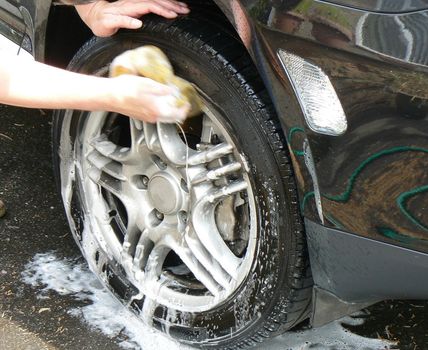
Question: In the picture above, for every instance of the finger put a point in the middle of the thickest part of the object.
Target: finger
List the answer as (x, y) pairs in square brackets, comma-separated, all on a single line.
[(173, 5), (182, 113), (159, 9), (122, 21), (178, 7), (144, 7), (168, 112), (143, 87), (154, 88), (146, 118)]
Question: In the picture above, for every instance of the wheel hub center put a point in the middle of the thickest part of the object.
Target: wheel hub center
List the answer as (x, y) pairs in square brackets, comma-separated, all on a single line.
[(165, 193)]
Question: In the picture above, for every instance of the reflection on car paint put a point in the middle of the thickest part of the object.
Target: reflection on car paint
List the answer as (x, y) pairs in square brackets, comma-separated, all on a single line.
[(401, 201), (385, 99)]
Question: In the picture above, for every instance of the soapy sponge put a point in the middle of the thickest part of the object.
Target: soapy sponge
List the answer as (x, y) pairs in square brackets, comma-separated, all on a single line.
[(149, 61)]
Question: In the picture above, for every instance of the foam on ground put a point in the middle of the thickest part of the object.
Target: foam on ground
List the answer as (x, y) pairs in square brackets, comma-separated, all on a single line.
[(47, 272)]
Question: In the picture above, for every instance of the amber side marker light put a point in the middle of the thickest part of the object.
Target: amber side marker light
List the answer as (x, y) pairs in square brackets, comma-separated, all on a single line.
[(318, 99)]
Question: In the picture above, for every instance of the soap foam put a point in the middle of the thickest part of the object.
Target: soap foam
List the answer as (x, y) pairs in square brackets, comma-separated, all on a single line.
[(47, 272)]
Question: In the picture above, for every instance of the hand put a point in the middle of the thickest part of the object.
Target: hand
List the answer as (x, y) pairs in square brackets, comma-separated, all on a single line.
[(106, 18), (144, 99)]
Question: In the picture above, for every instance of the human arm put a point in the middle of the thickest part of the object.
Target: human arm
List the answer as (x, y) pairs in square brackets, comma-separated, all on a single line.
[(28, 83), (106, 18)]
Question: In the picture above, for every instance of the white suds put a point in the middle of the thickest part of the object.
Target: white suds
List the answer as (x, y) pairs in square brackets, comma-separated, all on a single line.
[(104, 312), (331, 336), (49, 273)]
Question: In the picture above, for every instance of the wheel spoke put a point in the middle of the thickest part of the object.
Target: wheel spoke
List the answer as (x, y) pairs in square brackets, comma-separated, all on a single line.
[(152, 138), (207, 130), (173, 147), (155, 262), (109, 149), (198, 270), (216, 174), (232, 188), (132, 235), (160, 233), (206, 260), (137, 134), (107, 165), (204, 223), (106, 181), (211, 154), (144, 242), (142, 252)]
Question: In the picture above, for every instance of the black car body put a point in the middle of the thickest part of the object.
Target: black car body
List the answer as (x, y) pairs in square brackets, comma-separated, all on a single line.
[(363, 192)]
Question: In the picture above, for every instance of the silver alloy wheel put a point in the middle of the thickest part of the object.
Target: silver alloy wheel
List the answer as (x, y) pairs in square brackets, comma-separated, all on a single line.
[(178, 215)]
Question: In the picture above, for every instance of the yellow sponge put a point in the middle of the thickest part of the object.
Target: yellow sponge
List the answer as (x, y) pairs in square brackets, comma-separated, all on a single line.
[(149, 61)]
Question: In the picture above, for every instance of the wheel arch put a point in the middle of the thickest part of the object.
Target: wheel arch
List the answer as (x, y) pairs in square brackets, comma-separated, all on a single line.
[(295, 130), (66, 33)]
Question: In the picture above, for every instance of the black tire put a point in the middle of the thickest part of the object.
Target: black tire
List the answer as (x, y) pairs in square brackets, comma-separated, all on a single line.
[(276, 294)]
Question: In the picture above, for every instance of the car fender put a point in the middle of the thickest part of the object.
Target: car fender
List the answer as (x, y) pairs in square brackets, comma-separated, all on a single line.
[(283, 97)]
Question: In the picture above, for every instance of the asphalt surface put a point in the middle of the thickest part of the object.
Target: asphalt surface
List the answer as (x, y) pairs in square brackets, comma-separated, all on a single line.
[(35, 223)]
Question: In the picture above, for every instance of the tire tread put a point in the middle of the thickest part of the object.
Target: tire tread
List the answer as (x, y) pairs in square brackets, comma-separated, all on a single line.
[(231, 57), (243, 75)]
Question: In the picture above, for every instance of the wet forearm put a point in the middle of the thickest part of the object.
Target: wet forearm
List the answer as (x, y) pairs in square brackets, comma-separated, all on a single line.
[(28, 83)]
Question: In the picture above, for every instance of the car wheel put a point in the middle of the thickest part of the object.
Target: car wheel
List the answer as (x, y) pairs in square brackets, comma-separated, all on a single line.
[(194, 227)]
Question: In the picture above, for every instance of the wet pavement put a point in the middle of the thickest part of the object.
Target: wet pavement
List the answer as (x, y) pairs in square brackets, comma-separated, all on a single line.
[(35, 223)]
